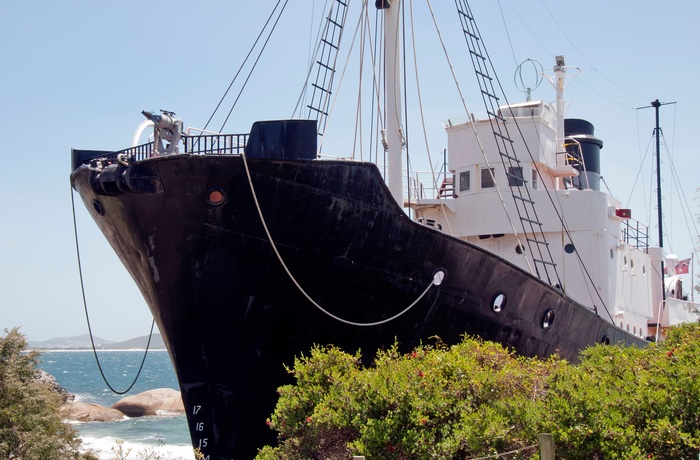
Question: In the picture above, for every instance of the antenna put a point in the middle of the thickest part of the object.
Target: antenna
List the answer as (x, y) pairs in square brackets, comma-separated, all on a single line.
[(536, 68)]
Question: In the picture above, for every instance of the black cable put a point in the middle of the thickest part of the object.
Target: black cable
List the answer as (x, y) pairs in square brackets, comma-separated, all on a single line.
[(87, 315)]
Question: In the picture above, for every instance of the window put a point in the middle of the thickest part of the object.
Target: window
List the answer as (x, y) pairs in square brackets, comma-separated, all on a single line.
[(464, 181), (487, 178), (515, 176), (534, 179)]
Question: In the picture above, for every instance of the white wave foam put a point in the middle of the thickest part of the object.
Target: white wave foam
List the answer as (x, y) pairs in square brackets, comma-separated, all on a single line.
[(106, 449)]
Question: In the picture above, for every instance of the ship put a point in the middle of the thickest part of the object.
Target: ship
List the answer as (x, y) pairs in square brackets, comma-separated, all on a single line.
[(249, 249)]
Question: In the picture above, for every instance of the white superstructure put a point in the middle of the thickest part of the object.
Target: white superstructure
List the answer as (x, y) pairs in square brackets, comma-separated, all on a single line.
[(603, 259)]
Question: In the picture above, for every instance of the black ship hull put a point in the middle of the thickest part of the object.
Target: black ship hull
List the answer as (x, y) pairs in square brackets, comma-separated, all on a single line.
[(188, 230)]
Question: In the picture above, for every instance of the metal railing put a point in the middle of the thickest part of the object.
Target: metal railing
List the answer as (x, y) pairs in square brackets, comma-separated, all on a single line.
[(635, 234), (206, 144)]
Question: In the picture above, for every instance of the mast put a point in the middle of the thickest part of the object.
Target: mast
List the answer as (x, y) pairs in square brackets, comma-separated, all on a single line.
[(559, 84), (656, 104), (392, 76)]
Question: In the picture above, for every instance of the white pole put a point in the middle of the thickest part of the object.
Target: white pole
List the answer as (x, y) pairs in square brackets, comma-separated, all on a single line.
[(692, 276), (392, 75)]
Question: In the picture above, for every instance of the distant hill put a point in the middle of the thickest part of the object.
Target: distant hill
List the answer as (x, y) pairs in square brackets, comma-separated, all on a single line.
[(82, 342)]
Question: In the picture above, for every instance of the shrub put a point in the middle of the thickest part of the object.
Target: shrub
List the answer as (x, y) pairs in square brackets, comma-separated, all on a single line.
[(473, 399), (476, 399), (30, 425)]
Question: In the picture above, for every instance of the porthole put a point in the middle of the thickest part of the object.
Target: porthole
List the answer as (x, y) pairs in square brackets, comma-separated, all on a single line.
[(99, 209), (632, 263), (499, 302), (548, 319), (216, 197), (605, 340), (612, 254), (624, 261), (519, 249), (438, 277), (569, 248), (644, 269)]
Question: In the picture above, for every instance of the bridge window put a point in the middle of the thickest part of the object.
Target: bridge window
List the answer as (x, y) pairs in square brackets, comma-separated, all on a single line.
[(487, 178), (515, 176), (464, 181)]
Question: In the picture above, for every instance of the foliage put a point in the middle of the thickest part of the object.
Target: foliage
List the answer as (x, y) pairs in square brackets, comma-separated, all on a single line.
[(477, 399), (30, 424), (625, 403), (470, 400)]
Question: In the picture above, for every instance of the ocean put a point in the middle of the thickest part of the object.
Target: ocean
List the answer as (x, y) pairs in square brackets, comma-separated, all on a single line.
[(78, 373)]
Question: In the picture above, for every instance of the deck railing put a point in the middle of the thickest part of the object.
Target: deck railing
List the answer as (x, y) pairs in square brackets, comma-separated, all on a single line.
[(635, 234), (205, 144)]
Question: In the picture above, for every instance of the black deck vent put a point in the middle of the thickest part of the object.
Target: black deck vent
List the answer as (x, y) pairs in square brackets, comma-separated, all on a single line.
[(283, 139)]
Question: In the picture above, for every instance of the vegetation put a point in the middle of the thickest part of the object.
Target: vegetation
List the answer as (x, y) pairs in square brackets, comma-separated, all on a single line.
[(30, 425), (477, 399)]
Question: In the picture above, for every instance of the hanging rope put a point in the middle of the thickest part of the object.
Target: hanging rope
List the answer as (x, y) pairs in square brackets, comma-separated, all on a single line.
[(437, 278), (87, 315)]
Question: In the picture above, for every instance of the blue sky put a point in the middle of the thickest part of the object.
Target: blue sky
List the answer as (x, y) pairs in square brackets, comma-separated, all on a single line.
[(78, 73)]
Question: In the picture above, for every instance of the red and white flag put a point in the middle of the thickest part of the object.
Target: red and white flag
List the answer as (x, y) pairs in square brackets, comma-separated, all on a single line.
[(682, 267)]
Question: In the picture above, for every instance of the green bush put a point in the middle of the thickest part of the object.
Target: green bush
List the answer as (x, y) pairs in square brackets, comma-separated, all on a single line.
[(476, 399), (30, 425)]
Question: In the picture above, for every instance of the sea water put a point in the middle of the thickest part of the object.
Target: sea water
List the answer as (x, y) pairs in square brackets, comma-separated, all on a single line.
[(77, 372)]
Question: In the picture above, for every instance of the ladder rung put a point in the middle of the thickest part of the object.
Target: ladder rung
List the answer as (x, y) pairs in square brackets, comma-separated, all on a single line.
[(522, 198), (474, 53), (531, 221), (545, 262), (497, 117), (320, 88), (532, 240), (504, 137), (329, 43), (489, 95), (317, 110), (483, 75), (470, 34), (325, 66), (466, 15)]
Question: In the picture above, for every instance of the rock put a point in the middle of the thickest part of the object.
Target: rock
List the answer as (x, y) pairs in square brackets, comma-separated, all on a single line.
[(152, 402), (50, 381), (84, 412)]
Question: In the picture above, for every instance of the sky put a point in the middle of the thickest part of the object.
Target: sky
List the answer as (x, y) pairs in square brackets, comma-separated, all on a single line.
[(77, 73)]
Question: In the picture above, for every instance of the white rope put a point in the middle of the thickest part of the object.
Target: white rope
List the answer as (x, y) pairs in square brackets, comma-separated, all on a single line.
[(437, 278)]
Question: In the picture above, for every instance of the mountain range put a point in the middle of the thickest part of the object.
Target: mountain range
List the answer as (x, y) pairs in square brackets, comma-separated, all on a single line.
[(81, 342)]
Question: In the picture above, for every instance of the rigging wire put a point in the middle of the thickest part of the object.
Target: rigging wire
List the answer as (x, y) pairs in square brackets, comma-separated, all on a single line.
[(312, 60), (240, 68), (548, 192), (684, 201), (87, 315), (274, 26), (422, 119), (561, 29), (505, 26)]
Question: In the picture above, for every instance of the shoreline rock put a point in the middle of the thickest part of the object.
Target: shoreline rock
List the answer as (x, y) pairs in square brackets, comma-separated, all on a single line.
[(152, 402), (77, 411)]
